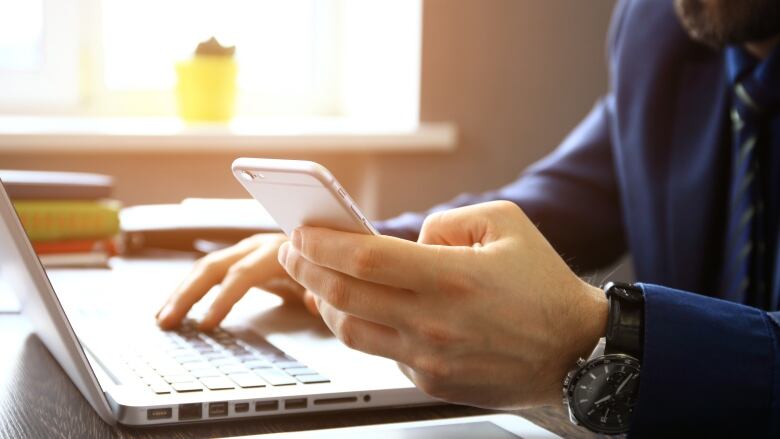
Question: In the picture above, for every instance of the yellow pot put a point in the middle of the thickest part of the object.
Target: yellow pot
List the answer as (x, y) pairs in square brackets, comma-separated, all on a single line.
[(206, 88)]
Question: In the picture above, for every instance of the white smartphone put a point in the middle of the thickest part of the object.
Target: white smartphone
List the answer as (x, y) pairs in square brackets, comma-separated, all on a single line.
[(300, 193)]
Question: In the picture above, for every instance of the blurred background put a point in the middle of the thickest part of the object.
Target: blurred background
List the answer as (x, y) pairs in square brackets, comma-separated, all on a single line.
[(407, 102)]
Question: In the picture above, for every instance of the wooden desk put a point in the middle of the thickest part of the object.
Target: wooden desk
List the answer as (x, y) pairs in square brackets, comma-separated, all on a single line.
[(38, 400)]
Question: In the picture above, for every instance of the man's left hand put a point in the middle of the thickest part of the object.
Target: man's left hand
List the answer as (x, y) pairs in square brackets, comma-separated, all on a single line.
[(480, 311)]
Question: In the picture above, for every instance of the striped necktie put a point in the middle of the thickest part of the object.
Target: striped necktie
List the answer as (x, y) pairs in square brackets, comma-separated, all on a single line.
[(745, 251)]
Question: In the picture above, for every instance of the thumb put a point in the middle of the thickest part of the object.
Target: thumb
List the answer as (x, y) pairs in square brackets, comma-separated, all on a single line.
[(479, 224)]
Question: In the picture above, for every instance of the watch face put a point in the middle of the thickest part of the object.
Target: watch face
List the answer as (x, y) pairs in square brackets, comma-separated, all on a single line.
[(602, 393)]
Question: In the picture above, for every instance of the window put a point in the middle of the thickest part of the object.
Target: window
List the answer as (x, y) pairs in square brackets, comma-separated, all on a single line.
[(21, 36), (300, 58), (283, 49), (38, 54)]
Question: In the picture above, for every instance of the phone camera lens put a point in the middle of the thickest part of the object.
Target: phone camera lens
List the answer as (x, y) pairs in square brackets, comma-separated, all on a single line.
[(251, 176)]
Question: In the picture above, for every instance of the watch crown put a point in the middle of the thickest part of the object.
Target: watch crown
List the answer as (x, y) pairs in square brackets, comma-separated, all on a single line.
[(580, 362)]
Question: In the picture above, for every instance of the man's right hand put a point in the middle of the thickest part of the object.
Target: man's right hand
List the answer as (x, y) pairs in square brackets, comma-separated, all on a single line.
[(251, 263)]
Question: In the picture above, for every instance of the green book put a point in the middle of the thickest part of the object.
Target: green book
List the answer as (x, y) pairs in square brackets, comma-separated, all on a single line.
[(59, 220)]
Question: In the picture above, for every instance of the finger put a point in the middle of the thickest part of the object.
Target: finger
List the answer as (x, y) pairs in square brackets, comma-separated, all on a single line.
[(469, 225), (407, 371), (254, 269), (310, 302), (377, 303), (207, 272), (362, 335), (284, 287), (379, 259)]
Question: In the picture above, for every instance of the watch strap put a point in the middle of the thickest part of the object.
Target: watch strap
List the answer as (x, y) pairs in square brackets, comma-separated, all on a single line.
[(625, 324)]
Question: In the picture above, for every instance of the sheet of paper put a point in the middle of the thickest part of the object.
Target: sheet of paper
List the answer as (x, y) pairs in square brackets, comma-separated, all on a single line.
[(197, 213)]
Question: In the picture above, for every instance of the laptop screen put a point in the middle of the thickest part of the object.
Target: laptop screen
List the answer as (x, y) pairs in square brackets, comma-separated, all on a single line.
[(23, 273)]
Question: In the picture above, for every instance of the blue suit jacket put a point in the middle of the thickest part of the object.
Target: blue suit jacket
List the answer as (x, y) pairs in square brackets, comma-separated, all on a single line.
[(647, 171)]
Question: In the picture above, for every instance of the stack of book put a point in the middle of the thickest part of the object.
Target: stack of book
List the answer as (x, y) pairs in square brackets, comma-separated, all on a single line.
[(68, 216)]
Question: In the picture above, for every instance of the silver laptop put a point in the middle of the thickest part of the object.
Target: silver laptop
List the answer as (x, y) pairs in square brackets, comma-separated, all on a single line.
[(266, 359)]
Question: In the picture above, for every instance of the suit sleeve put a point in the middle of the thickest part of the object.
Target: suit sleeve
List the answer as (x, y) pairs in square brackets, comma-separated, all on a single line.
[(709, 369), (571, 195), (571, 190)]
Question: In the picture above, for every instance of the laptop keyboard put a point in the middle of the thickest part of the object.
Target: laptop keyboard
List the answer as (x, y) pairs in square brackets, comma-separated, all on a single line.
[(186, 360)]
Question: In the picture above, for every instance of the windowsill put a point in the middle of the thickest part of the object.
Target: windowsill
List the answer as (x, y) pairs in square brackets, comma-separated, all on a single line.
[(31, 135)]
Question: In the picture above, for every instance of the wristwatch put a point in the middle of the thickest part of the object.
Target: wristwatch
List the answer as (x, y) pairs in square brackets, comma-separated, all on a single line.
[(601, 391)]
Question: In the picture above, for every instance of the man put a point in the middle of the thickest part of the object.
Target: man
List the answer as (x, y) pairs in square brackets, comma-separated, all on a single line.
[(679, 164)]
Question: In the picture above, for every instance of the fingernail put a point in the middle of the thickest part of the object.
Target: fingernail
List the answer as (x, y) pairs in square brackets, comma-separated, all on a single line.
[(164, 313), (296, 239), (317, 301), (282, 254)]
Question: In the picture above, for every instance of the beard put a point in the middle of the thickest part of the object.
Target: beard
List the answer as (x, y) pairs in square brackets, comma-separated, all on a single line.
[(722, 22)]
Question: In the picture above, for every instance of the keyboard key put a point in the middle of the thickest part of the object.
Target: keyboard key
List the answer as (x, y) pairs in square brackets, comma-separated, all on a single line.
[(233, 368), (247, 380), (288, 364), (178, 378), (178, 370), (165, 342), (312, 379), (275, 377), (258, 364), (223, 361), (189, 386), (217, 383), (247, 357), (224, 342), (218, 332), (243, 343), (202, 373), (236, 351), (191, 358), (197, 366), (161, 388), (300, 371), (156, 360), (136, 364), (151, 381), (213, 355), (179, 352), (144, 371), (165, 368)]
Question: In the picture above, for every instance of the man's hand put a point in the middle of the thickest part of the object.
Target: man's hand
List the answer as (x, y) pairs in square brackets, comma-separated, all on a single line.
[(250, 263), (480, 311)]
